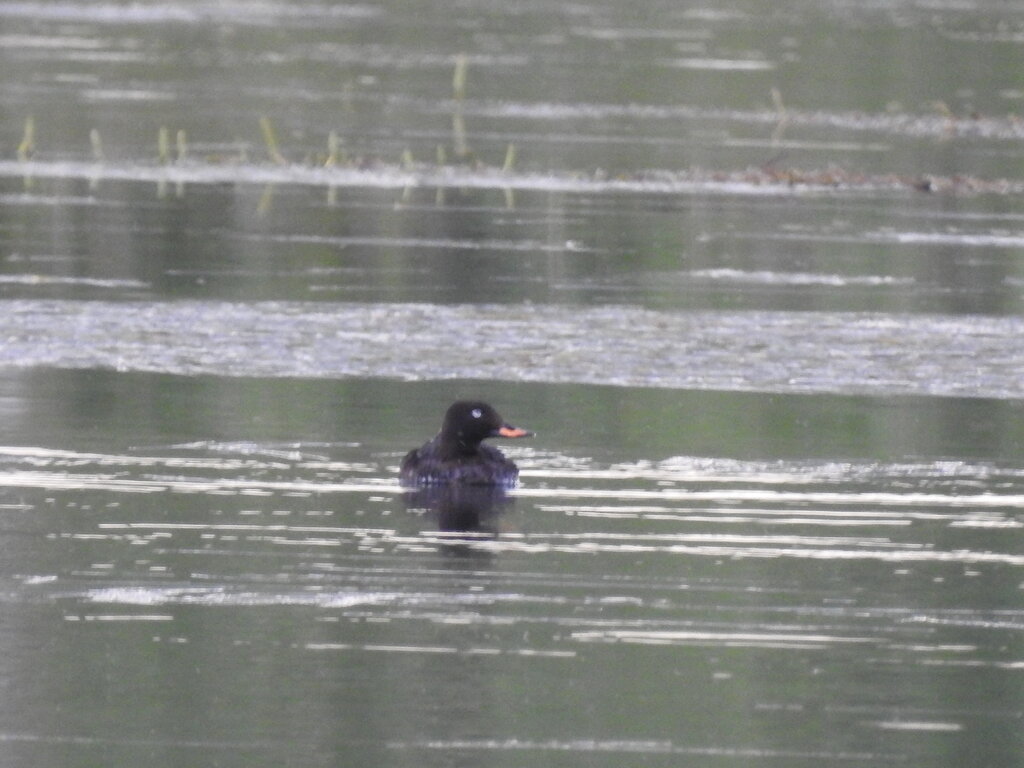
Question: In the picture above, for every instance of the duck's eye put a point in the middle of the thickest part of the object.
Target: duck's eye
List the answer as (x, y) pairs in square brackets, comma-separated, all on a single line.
[(476, 413)]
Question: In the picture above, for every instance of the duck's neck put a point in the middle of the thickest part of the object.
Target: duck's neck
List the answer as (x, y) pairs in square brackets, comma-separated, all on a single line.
[(456, 446)]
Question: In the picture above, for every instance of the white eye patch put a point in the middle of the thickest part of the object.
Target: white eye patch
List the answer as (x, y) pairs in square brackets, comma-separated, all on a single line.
[(476, 413)]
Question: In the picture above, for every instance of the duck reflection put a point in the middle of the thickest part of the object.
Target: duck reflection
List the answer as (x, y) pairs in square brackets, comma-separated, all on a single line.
[(462, 508)]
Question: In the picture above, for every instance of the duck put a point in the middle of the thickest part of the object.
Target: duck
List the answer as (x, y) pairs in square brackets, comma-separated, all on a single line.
[(457, 453)]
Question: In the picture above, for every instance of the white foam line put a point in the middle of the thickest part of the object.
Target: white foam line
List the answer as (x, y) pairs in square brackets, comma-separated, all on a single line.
[(963, 239), (630, 747), (823, 541), (797, 278), (918, 725), (422, 243), (986, 524), (698, 474), (442, 650), (36, 279), (251, 12), (386, 484), (121, 617), (708, 516), (221, 596), (61, 481), (586, 539), (56, 456), (722, 551), (725, 638), (788, 497), (395, 178), (173, 744), (721, 65), (648, 509), (818, 516), (412, 648), (781, 521), (972, 663), (329, 646), (112, 483), (244, 527)]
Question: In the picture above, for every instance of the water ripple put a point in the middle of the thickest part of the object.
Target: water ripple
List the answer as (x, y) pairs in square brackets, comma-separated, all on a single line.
[(801, 352)]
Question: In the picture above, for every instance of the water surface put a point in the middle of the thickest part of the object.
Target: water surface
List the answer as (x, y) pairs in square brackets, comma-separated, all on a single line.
[(751, 272)]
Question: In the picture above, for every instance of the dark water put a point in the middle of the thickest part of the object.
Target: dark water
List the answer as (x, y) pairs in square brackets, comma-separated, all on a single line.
[(751, 271)]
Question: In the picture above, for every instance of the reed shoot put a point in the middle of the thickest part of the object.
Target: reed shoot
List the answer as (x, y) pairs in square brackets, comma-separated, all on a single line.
[(510, 158), (459, 77), (182, 142), (97, 145), (27, 147), (270, 139), (163, 145)]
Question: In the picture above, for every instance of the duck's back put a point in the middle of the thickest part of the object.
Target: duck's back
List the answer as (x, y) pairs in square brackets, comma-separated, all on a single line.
[(428, 465)]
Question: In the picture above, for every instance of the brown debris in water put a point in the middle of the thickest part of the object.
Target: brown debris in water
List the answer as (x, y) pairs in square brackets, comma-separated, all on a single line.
[(841, 179)]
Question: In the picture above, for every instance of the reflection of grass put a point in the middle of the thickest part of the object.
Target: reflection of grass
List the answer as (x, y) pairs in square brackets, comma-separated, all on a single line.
[(28, 140), (270, 139)]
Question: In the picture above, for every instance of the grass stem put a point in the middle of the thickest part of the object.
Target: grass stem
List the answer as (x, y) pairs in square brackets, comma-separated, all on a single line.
[(182, 143), (459, 77), (270, 139), (163, 145), (97, 145), (27, 147), (510, 158)]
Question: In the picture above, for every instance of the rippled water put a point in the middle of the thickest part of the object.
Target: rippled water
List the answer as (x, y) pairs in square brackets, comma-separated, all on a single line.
[(846, 353), (750, 271), (771, 581)]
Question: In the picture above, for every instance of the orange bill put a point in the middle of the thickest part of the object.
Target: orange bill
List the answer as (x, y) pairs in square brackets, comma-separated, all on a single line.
[(506, 431)]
